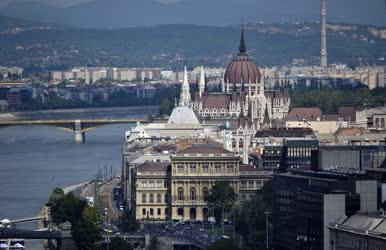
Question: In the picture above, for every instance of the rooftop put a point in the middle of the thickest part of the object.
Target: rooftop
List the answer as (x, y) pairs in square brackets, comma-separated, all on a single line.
[(365, 224), (204, 149), (285, 132), (183, 115), (304, 113), (153, 167)]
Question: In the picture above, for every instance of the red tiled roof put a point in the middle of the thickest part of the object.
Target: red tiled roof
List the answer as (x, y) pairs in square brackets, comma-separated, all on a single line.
[(303, 113), (215, 101), (285, 132), (348, 113), (204, 149), (157, 167)]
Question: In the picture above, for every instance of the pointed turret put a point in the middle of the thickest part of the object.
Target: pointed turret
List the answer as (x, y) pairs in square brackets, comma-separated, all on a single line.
[(201, 84), (266, 119), (242, 46), (185, 91)]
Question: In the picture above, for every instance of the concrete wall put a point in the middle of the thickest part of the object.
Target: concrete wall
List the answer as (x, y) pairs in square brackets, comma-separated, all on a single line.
[(320, 127), (334, 207), (348, 159), (368, 195)]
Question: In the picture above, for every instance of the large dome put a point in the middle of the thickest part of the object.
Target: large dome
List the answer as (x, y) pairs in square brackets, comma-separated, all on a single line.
[(242, 69)]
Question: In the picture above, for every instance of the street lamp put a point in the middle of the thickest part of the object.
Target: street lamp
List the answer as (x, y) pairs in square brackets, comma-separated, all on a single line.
[(267, 213)]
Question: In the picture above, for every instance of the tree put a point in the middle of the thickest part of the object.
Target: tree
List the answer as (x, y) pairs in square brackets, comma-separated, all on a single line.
[(166, 107), (250, 221), (224, 244), (154, 243), (221, 196), (127, 222), (117, 243), (56, 195), (87, 232), (66, 208)]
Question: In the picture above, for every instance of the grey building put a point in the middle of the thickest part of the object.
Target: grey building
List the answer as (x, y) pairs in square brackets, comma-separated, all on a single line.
[(306, 202), (359, 231)]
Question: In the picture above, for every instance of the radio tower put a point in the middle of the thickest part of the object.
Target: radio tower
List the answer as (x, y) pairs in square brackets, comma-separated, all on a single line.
[(323, 35)]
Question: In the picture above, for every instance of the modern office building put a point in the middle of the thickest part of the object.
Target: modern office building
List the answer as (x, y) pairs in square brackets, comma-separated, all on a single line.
[(306, 202)]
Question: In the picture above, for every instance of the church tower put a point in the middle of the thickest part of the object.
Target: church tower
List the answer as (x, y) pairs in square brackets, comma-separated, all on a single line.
[(185, 99)]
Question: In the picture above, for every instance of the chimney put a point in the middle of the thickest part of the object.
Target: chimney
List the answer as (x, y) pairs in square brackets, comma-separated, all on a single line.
[(323, 34)]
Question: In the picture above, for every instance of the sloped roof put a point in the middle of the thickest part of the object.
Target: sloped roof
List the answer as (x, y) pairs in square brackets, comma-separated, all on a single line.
[(347, 113), (285, 132), (304, 113), (215, 101), (204, 149), (183, 115), (155, 167)]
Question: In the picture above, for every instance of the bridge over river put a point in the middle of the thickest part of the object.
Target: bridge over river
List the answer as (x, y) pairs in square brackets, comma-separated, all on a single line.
[(78, 127), (79, 121)]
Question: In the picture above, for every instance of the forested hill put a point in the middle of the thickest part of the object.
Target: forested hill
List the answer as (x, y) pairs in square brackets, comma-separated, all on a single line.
[(49, 46)]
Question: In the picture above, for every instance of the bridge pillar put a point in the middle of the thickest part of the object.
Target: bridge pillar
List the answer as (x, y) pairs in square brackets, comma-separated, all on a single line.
[(80, 136)]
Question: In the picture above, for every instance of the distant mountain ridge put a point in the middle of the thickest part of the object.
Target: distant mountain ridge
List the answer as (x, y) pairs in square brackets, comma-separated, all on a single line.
[(39, 45), (130, 13)]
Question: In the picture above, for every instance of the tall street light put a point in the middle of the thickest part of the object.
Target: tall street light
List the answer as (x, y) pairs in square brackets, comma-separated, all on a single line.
[(267, 213)]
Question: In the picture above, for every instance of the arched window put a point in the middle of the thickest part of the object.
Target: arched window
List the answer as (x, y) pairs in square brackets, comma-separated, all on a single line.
[(193, 194), (241, 143), (193, 169), (230, 168), (151, 211), (143, 198), (158, 198), (151, 198), (159, 211), (143, 211), (205, 191), (180, 194), (180, 169), (205, 168), (217, 169)]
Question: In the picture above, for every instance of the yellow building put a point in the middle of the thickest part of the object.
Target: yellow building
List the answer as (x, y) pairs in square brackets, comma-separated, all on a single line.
[(194, 171), (152, 193), (176, 190)]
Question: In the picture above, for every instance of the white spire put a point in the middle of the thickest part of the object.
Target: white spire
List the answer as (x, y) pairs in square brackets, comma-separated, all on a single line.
[(185, 92), (201, 85)]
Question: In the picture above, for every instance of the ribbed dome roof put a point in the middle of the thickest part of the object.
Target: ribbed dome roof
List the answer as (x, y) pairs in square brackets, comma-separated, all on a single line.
[(242, 69)]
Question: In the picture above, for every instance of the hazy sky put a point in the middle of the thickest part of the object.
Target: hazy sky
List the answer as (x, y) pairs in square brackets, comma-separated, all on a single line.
[(66, 3)]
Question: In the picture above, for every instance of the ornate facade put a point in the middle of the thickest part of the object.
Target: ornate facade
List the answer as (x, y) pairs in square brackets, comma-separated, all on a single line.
[(176, 191), (242, 89)]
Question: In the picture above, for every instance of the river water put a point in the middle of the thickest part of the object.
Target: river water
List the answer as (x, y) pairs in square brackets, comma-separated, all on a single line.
[(34, 159)]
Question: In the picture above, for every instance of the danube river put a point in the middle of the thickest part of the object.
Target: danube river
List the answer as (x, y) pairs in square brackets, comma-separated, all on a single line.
[(34, 159)]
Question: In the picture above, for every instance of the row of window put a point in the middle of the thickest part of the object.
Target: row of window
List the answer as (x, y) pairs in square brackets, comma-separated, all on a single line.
[(299, 152), (150, 198), (152, 184), (150, 212), (205, 168), (251, 184), (192, 193)]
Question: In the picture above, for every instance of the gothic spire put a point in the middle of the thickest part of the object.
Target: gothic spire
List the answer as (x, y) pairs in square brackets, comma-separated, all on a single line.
[(201, 84), (185, 91), (242, 47)]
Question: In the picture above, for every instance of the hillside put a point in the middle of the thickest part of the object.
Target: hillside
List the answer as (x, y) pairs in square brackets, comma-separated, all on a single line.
[(113, 14), (48, 46)]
